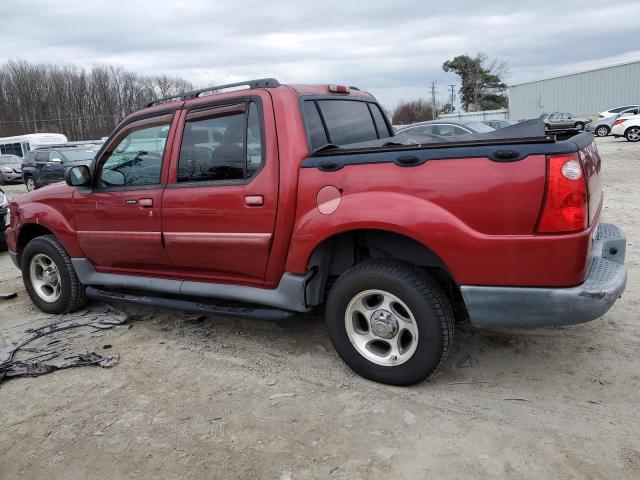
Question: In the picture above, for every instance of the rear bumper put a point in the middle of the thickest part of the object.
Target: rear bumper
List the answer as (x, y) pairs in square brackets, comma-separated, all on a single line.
[(535, 306)]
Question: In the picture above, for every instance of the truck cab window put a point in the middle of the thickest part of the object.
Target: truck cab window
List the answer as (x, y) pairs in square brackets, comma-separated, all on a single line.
[(136, 160), (223, 145)]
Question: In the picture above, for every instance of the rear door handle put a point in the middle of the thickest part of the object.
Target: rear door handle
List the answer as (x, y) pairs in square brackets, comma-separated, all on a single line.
[(146, 202)]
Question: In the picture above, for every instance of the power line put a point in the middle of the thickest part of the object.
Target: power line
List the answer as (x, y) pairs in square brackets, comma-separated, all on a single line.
[(57, 119)]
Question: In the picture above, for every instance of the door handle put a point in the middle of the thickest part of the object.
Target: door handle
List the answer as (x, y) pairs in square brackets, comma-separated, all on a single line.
[(254, 200), (146, 202)]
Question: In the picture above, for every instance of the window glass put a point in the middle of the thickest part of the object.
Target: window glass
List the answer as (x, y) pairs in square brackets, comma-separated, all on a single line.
[(9, 159), (480, 127), (55, 156), (619, 109), (75, 155), (381, 125), (448, 130), (422, 130), (347, 121), (11, 149), (254, 141), (137, 159), (42, 157), (213, 149), (317, 135)]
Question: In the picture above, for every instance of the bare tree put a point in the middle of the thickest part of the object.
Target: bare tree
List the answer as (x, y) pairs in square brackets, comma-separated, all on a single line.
[(78, 103), (412, 111)]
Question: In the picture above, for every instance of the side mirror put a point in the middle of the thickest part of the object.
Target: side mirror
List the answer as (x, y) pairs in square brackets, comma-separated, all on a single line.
[(79, 176)]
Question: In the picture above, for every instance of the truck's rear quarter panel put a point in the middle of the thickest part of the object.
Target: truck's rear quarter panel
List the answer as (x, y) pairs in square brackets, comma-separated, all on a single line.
[(477, 215)]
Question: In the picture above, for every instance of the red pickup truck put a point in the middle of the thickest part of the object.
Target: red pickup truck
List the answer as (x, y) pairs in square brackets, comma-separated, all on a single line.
[(273, 199)]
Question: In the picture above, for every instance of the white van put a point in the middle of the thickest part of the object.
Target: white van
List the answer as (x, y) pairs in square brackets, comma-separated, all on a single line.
[(23, 144)]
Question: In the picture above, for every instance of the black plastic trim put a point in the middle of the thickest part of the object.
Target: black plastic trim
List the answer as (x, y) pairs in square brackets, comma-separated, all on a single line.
[(202, 307), (519, 149)]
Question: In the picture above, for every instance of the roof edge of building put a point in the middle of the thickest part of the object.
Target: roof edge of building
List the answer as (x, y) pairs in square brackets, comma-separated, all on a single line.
[(575, 73)]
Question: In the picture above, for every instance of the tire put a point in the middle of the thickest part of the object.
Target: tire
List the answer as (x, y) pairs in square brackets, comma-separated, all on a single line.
[(422, 341), (632, 134), (2, 180), (3, 241), (30, 184), (59, 276), (602, 131), (547, 126), (579, 126)]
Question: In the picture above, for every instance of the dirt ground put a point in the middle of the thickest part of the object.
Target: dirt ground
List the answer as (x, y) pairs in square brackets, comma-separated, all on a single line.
[(223, 398)]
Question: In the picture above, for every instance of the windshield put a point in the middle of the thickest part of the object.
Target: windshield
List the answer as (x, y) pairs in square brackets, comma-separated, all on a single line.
[(9, 159), (77, 155)]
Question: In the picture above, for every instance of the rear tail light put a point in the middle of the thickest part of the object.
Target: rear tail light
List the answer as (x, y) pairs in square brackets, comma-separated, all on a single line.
[(565, 203), (619, 121)]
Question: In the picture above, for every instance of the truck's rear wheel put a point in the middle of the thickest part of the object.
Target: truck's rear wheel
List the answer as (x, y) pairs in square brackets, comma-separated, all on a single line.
[(49, 277), (389, 321)]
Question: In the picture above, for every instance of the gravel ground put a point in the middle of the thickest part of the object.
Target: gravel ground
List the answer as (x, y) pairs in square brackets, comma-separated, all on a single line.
[(221, 398)]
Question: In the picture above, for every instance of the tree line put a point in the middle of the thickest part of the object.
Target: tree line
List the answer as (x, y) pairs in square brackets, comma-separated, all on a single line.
[(481, 88), (81, 104)]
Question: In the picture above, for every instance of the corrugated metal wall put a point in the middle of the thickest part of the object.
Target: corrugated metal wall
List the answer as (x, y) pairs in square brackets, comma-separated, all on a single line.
[(483, 115), (584, 93)]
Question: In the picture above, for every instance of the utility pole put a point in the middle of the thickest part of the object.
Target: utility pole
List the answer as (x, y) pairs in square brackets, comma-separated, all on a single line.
[(433, 99), (453, 97)]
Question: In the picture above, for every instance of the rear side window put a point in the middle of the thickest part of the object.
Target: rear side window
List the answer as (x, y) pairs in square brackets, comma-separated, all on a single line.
[(223, 143), (347, 121)]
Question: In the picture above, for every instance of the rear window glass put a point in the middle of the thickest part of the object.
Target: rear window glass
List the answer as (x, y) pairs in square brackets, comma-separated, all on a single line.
[(347, 121)]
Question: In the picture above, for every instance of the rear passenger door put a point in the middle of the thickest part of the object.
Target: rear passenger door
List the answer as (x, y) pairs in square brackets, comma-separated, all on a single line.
[(219, 209)]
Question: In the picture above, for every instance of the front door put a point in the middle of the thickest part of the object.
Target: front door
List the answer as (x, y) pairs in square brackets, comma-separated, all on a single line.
[(119, 219), (55, 169), (218, 212)]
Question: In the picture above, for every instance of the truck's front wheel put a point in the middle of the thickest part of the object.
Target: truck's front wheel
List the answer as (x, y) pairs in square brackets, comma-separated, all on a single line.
[(49, 277), (389, 321)]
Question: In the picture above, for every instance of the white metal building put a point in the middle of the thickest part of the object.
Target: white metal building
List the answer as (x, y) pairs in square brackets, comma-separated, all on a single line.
[(583, 93)]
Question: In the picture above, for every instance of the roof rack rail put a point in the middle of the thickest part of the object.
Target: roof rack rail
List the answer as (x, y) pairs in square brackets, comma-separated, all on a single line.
[(258, 83)]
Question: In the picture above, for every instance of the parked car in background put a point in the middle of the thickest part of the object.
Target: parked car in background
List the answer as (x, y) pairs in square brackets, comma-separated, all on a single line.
[(4, 207), (445, 128), (628, 128), (615, 111), (47, 165), (502, 123), (10, 169), (602, 126), (564, 120)]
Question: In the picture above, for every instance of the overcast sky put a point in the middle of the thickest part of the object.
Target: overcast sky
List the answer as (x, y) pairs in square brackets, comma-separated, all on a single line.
[(393, 49)]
